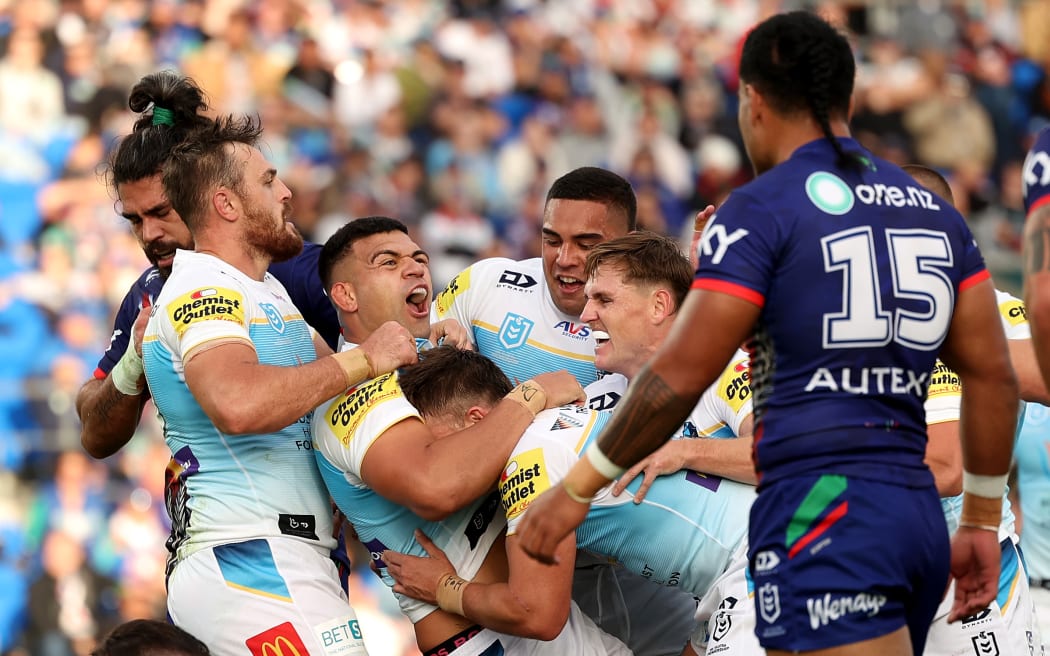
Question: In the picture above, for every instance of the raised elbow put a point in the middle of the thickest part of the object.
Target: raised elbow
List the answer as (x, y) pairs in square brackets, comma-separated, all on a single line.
[(539, 625)]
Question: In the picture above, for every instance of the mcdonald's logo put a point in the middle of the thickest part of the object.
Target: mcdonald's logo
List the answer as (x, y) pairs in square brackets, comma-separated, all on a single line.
[(281, 640)]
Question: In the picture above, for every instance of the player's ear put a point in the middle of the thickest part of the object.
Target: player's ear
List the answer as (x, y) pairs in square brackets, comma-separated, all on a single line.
[(343, 296), (475, 414), (661, 305)]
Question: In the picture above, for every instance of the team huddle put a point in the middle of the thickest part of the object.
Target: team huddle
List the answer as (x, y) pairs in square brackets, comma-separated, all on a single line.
[(790, 439)]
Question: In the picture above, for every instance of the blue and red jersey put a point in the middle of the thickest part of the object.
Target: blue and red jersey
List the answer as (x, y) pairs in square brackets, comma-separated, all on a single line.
[(1036, 177), (856, 271)]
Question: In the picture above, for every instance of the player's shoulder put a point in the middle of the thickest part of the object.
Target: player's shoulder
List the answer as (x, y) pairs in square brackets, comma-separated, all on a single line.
[(494, 276)]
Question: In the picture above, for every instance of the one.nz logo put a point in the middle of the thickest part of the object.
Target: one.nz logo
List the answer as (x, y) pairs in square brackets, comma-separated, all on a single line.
[(515, 331)]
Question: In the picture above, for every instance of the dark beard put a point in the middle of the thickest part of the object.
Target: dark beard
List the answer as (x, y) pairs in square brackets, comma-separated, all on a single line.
[(274, 242)]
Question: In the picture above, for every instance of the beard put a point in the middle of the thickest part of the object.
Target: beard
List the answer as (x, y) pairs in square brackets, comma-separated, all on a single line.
[(277, 242)]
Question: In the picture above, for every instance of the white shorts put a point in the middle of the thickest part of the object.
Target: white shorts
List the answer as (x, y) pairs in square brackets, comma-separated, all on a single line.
[(579, 637), (652, 619), (264, 597), (1007, 627), (726, 614)]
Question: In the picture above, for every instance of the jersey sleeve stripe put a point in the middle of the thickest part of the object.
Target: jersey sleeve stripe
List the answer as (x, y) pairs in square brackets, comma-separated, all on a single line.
[(730, 288), (1041, 202), (978, 277)]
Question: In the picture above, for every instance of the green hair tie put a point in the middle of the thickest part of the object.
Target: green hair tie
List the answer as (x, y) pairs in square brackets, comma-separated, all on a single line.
[(163, 116)]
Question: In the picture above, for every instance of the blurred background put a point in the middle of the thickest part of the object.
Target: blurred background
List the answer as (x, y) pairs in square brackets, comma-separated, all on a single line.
[(453, 117)]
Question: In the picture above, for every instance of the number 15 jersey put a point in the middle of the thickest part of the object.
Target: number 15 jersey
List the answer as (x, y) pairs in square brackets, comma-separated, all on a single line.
[(856, 272)]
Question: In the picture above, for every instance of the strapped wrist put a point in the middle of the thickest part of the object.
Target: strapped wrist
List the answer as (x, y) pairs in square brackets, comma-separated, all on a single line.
[(989, 487), (355, 365), (530, 395), (127, 375), (450, 593)]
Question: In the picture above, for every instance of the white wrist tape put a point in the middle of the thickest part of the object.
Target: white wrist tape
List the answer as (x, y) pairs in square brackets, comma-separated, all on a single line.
[(602, 464), (126, 375), (989, 487)]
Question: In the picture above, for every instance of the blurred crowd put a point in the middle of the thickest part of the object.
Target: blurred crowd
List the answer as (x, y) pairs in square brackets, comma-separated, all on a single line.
[(453, 117)]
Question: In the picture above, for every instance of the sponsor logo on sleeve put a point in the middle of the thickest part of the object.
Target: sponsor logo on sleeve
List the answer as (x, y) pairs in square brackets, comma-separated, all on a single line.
[(716, 241), (344, 414), (1013, 312), (515, 331), (341, 637), (944, 382), (524, 479), (515, 280), (207, 304), (459, 284), (280, 640), (735, 385)]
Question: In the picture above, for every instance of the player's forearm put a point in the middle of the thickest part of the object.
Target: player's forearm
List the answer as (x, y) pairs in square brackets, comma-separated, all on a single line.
[(254, 398), (728, 458), (477, 454), (989, 419), (649, 414), (108, 417), (498, 607)]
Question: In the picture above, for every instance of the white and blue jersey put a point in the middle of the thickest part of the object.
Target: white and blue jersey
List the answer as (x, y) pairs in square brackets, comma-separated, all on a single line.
[(231, 488), (719, 413), (840, 370), (298, 275), (507, 309), (344, 429), (699, 520)]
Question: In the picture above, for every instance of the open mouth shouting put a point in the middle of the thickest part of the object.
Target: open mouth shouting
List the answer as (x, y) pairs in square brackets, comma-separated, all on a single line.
[(418, 302)]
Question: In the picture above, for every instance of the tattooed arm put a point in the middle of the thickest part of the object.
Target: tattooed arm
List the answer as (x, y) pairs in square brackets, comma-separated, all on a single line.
[(657, 402), (1037, 282)]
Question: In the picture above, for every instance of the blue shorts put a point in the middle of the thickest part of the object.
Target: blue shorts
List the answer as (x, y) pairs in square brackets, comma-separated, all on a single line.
[(838, 560)]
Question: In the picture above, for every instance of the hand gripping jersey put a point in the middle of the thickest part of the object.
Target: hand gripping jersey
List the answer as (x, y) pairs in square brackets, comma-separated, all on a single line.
[(719, 412), (506, 307), (684, 532), (856, 273), (298, 275), (228, 488), (1036, 174), (344, 429)]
